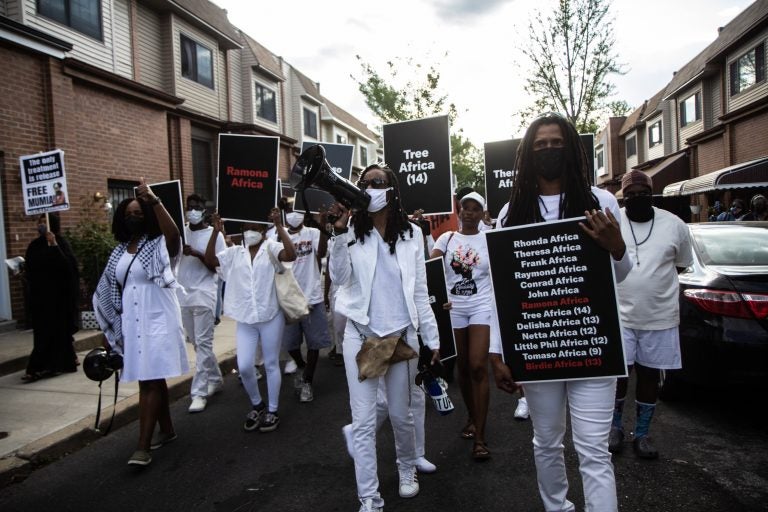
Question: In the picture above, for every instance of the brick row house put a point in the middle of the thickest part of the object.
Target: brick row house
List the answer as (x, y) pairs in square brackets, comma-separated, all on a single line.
[(130, 88), (702, 137)]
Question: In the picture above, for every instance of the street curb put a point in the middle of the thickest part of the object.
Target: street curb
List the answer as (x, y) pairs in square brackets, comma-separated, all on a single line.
[(18, 466), (19, 363)]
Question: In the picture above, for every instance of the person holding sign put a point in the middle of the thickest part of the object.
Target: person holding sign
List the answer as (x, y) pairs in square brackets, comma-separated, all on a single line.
[(198, 302), (380, 268), (553, 182), (660, 247), (137, 308), (471, 296), (50, 270), (251, 300)]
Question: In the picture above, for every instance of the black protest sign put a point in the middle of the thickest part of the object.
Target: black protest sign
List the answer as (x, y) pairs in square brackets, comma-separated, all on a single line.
[(247, 177), (169, 193), (588, 141), (339, 157), (44, 182), (499, 173), (437, 297), (556, 302), (419, 152)]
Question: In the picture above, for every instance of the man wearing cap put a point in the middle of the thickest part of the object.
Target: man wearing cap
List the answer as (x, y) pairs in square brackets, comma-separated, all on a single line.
[(659, 247)]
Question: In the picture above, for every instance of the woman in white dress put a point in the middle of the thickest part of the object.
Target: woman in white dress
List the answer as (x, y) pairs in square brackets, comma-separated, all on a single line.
[(136, 306)]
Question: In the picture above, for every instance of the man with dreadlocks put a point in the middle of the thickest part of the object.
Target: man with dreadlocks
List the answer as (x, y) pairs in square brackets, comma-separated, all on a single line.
[(554, 182), (379, 267)]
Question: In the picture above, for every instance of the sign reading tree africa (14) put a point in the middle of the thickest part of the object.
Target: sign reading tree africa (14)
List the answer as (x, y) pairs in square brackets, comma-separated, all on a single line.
[(556, 302), (247, 177), (500, 159), (419, 153), (44, 182), (339, 157)]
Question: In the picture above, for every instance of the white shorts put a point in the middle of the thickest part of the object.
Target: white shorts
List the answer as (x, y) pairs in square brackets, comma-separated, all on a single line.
[(653, 349), (461, 320)]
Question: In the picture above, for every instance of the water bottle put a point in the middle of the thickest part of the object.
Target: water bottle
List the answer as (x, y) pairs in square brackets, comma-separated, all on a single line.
[(436, 388)]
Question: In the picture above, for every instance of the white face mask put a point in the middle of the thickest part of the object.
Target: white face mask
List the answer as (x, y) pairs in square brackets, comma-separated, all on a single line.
[(294, 219), (252, 237), (195, 216), (378, 198)]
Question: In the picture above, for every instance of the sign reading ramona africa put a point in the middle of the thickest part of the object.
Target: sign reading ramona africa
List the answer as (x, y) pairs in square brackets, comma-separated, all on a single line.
[(44, 182), (247, 177), (556, 302)]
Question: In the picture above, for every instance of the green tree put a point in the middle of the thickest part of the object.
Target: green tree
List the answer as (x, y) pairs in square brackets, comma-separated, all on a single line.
[(393, 99), (572, 56)]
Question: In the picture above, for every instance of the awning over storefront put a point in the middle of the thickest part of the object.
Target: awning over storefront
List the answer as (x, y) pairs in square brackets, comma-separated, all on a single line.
[(664, 172), (752, 174)]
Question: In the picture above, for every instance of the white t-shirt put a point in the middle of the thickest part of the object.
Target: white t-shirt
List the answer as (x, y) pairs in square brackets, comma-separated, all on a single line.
[(200, 284), (250, 295), (306, 243), (388, 312), (648, 297), (466, 271)]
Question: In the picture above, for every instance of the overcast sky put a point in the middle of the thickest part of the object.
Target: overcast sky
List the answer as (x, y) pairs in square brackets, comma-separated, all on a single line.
[(474, 44)]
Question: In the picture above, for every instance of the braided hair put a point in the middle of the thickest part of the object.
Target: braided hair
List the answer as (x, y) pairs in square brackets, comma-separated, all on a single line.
[(397, 219), (576, 181)]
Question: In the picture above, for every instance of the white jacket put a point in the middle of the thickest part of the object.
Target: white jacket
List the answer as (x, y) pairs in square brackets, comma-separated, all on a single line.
[(352, 265)]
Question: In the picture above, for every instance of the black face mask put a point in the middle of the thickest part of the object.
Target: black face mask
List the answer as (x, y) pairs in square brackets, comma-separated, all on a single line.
[(639, 208), (134, 225), (548, 163)]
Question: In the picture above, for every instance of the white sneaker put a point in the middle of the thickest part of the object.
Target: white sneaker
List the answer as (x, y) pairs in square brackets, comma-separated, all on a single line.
[(198, 404), (215, 387), (290, 367), (424, 466), (521, 412), (367, 506), (347, 431), (409, 483)]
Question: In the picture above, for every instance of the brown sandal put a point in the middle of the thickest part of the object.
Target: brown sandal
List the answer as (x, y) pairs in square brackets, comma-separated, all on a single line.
[(468, 432), (480, 452)]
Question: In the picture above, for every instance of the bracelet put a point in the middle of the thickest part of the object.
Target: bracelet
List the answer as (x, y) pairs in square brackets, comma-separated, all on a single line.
[(154, 202)]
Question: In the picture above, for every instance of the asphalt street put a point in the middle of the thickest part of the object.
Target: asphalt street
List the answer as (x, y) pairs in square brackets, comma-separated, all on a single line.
[(714, 455)]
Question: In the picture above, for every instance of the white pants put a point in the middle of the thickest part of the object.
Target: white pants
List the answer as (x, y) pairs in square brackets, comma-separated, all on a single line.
[(198, 324), (363, 404), (591, 403), (418, 403), (248, 337)]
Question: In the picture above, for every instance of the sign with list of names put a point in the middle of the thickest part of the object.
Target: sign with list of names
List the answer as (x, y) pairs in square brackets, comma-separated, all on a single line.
[(556, 301)]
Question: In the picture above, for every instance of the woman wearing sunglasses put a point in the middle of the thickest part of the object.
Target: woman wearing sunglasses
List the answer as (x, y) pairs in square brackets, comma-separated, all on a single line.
[(377, 260)]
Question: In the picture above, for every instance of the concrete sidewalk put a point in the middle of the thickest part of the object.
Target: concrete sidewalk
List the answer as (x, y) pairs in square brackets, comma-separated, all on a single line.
[(43, 420)]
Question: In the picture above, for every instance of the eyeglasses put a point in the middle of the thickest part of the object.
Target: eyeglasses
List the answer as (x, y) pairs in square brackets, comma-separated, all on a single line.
[(642, 193), (373, 183)]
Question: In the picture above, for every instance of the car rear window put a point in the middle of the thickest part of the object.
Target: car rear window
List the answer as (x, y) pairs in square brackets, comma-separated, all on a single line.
[(731, 245)]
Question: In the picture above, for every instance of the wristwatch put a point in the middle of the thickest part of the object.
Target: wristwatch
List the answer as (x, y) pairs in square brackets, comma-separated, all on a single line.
[(154, 202)]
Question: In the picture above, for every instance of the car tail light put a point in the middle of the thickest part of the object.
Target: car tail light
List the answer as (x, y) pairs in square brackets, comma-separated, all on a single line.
[(730, 303)]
